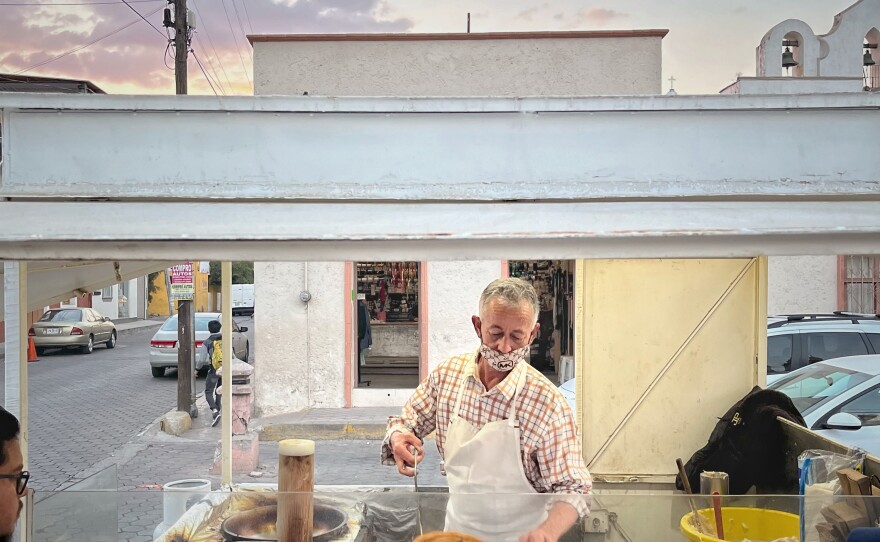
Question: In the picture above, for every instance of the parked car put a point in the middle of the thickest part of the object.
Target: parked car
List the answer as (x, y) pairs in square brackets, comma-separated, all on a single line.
[(76, 327), (795, 341), (163, 345), (839, 398)]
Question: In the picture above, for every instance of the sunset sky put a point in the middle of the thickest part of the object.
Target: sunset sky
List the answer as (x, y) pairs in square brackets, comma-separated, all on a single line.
[(709, 42)]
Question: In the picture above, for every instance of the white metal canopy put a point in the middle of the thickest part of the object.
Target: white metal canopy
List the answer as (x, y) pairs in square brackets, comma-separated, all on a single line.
[(59, 280)]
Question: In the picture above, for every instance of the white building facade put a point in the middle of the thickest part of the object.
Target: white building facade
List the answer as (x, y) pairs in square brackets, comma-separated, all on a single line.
[(313, 361)]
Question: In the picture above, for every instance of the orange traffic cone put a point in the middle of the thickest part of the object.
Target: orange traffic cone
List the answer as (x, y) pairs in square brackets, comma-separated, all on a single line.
[(32, 350)]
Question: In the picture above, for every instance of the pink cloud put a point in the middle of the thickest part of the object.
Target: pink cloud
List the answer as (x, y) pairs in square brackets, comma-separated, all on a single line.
[(599, 16), (132, 59)]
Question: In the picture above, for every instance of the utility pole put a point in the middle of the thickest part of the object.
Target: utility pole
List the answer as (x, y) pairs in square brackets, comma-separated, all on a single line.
[(186, 338), (181, 45)]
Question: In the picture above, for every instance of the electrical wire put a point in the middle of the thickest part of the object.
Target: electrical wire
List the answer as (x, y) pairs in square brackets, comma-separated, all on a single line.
[(211, 41), (248, 15), (235, 42), (81, 47), (38, 5), (211, 68), (199, 62), (243, 33), (142, 17)]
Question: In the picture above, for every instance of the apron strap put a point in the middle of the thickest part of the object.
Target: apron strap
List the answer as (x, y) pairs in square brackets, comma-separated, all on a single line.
[(461, 387), (512, 420)]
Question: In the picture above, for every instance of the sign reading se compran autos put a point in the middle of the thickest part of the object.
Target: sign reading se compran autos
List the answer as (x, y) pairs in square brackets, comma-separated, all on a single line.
[(182, 282)]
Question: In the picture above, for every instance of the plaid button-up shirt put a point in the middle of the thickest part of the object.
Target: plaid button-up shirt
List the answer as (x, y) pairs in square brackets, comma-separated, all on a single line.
[(549, 440)]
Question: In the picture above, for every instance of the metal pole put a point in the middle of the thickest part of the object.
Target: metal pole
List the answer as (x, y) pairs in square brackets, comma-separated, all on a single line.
[(226, 403), (16, 366), (185, 357), (15, 309)]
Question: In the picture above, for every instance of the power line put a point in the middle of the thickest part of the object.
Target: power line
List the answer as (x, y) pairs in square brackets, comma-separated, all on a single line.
[(243, 33), (211, 68), (235, 42), (38, 5), (199, 62), (244, 5), (144, 18), (81, 47), (211, 41)]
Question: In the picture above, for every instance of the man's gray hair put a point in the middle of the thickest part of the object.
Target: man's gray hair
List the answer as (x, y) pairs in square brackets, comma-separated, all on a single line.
[(512, 292)]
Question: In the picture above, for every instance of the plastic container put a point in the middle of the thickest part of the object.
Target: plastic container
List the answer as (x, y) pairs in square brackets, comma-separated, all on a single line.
[(740, 523)]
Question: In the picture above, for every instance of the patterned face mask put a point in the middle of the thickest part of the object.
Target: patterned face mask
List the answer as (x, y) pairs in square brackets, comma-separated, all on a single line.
[(503, 362)]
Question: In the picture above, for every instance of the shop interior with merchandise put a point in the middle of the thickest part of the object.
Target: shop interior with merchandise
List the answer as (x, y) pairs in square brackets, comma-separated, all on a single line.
[(388, 336), (552, 353)]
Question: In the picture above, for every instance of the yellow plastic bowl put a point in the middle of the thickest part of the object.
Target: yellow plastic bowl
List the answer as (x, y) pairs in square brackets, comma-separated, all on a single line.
[(739, 523)]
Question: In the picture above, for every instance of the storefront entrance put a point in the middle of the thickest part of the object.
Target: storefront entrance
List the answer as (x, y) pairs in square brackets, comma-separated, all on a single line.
[(387, 329), (552, 352)]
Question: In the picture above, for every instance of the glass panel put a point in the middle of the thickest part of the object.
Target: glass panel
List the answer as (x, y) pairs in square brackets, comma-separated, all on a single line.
[(63, 315), (397, 514), (822, 346), (866, 408), (779, 348), (813, 386), (201, 323), (860, 297), (874, 338), (859, 267)]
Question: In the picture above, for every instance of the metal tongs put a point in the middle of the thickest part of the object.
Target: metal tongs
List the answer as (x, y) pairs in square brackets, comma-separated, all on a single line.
[(415, 453)]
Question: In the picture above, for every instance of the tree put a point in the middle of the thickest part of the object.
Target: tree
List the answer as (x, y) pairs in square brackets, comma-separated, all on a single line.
[(242, 273)]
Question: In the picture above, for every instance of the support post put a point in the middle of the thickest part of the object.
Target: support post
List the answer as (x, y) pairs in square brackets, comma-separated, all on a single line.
[(16, 366), (185, 357), (226, 403), (181, 46)]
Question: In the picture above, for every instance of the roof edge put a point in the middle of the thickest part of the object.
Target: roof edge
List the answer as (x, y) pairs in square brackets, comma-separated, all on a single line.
[(461, 36)]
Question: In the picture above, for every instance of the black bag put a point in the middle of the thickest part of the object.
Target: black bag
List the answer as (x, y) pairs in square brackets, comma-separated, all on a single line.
[(749, 445)]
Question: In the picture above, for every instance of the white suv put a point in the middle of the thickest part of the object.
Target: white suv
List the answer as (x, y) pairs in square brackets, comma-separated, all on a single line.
[(798, 340)]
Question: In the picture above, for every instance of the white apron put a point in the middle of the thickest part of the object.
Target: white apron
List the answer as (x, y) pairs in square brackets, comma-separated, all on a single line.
[(490, 496)]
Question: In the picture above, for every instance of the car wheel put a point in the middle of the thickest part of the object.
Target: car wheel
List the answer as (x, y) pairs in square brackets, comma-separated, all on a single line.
[(90, 347), (202, 373), (112, 342), (158, 372), (41, 350)]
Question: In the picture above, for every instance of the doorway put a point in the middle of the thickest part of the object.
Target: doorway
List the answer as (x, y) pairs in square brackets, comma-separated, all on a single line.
[(386, 327), (552, 353)]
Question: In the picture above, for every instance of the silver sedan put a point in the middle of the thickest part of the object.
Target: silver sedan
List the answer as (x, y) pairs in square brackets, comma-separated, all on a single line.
[(77, 327), (163, 346), (839, 399)]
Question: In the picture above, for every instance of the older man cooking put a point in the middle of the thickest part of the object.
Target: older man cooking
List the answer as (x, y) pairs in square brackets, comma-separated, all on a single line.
[(502, 429)]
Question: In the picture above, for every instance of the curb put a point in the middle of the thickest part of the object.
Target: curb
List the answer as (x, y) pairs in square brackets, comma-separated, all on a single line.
[(322, 431)]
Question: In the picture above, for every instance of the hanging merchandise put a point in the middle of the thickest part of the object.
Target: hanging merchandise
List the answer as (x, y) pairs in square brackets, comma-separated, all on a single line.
[(391, 290)]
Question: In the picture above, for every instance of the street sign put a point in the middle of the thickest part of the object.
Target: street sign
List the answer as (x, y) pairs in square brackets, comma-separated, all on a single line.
[(182, 287)]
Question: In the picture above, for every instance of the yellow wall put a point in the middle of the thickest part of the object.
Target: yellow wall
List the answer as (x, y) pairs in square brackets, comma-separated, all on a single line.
[(664, 347), (159, 300)]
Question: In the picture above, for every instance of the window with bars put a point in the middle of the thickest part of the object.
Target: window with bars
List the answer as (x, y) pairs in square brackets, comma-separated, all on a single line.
[(859, 284)]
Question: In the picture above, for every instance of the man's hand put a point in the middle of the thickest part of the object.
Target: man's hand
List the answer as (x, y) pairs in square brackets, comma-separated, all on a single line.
[(538, 535), (401, 446), (560, 519)]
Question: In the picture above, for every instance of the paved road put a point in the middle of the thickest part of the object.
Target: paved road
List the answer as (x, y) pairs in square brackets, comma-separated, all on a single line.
[(83, 408)]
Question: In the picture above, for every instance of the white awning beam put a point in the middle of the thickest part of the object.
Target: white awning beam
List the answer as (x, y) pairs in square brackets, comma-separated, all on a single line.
[(452, 149), (437, 231)]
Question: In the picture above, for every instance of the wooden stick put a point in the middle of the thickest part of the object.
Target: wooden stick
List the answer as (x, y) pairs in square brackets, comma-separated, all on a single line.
[(296, 482), (698, 519)]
